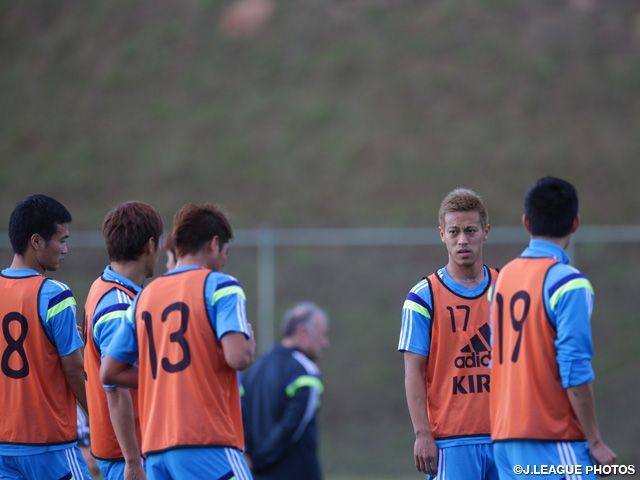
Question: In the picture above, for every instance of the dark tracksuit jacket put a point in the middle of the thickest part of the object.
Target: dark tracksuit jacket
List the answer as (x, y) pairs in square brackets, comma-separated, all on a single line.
[(281, 395)]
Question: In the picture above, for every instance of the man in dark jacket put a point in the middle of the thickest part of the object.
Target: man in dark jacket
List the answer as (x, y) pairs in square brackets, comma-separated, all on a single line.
[(281, 399)]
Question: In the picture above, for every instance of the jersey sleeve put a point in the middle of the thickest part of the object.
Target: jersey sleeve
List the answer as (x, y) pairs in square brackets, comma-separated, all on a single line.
[(109, 313), (226, 303), (57, 308), (417, 313), (124, 344), (569, 298)]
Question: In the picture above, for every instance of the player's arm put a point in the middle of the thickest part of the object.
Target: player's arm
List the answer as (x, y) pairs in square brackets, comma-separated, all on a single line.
[(415, 338), (571, 305), (226, 305), (425, 449), (119, 363), (583, 404), (111, 313), (115, 372), (123, 421), (239, 351), (57, 307), (73, 368)]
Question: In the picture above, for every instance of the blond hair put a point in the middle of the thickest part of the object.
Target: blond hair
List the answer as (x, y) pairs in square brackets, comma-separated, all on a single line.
[(463, 200)]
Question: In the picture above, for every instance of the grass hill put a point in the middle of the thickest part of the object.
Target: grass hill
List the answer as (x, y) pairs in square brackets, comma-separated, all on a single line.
[(339, 113)]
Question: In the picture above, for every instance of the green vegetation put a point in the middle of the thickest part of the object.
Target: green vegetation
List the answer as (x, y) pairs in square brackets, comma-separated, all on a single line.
[(339, 113)]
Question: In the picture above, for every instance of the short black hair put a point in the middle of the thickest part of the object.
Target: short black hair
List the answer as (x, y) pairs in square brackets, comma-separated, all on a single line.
[(36, 214), (551, 206)]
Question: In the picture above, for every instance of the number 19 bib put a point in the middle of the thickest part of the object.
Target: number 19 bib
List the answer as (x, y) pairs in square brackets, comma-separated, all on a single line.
[(527, 398)]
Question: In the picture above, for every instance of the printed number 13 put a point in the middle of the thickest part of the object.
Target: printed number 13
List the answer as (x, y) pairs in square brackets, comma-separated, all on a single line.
[(175, 337)]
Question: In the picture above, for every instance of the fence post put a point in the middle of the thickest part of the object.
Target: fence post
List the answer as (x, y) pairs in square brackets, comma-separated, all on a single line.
[(266, 289)]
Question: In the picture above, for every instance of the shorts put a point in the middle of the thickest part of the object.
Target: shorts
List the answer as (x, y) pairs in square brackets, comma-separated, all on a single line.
[(464, 462), (544, 460), (215, 463), (65, 464), (112, 469)]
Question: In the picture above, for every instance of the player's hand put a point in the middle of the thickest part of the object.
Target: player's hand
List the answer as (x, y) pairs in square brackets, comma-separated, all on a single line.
[(247, 459), (252, 339), (425, 453), (250, 328), (602, 455), (134, 471)]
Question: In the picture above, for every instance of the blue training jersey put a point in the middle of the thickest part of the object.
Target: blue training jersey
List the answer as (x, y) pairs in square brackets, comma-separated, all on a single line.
[(415, 333), (568, 300), (225, 302), (57, 309), (110, 311)]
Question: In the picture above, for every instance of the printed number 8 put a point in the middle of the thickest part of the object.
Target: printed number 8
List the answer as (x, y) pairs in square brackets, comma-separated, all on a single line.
[(15, 345)]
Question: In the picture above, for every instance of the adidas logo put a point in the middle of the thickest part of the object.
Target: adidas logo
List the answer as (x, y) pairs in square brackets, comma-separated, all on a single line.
[(478, 352)]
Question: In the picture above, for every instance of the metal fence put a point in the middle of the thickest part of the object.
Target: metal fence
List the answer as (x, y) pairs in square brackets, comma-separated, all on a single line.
[(266, 240), (361, 277)]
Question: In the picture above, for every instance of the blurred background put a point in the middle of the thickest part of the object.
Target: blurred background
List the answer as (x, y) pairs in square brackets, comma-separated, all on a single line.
[(339, 114)]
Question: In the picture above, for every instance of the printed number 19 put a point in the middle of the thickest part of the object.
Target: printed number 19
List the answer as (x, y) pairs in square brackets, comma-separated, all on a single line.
[(516, 323)]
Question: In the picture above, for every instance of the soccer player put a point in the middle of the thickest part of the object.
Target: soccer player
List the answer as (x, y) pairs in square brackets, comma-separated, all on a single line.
[(542, 406), (132, 233), (188, 333), (445, 338), (42, 373), (282, 396)]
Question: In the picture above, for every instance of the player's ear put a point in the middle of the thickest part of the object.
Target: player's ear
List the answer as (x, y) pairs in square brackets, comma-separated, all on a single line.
[(150, 246), (576, 223), (37, 242), (213, 245), (217, 243)]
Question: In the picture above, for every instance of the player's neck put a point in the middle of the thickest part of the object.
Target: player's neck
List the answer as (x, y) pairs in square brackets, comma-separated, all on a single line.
[(192, 260), (26, 261), (470, 276), (133, 271), (562, 242)]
